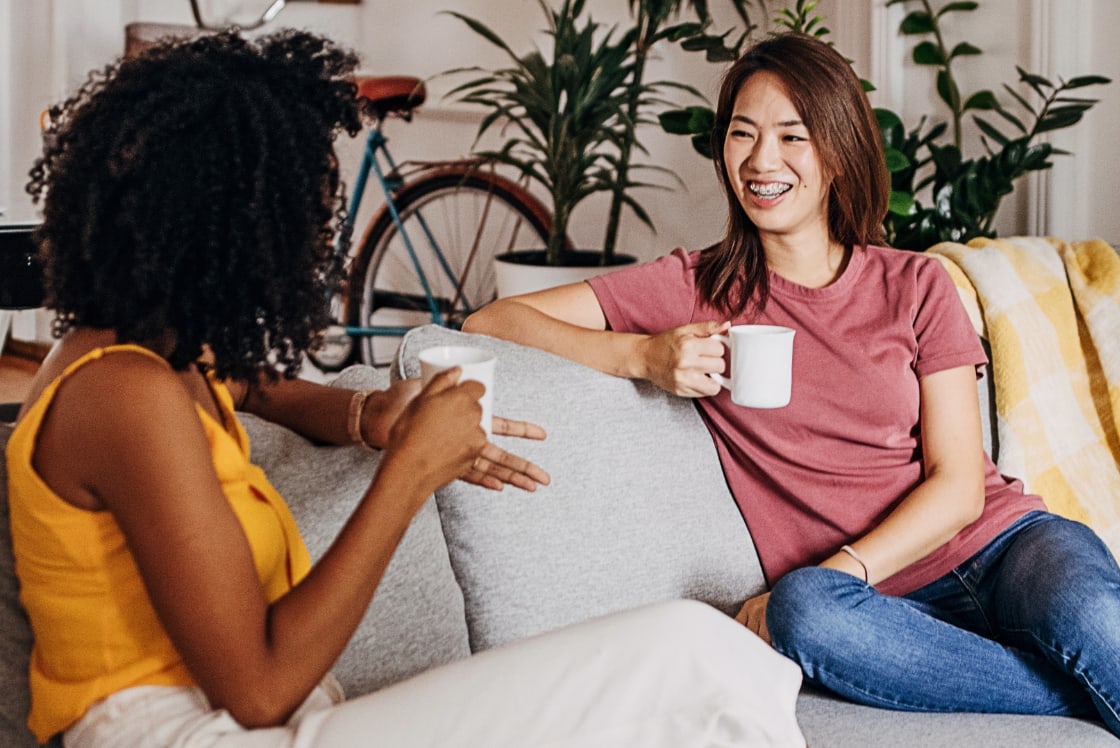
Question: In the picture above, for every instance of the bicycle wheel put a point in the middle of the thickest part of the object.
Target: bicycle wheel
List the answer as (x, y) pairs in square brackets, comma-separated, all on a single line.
[(457, 221)]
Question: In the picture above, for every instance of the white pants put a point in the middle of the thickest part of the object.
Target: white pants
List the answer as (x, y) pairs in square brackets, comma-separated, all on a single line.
[(672, 675)]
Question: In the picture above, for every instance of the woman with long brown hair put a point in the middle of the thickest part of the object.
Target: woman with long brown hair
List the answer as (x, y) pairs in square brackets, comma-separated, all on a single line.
[(905, 571)]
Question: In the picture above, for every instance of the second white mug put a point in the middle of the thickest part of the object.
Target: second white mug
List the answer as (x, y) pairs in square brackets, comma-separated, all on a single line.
[(476, 364), (761, 370)]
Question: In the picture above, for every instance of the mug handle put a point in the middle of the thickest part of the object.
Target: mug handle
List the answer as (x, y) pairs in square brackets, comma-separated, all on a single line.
[(724, 382)]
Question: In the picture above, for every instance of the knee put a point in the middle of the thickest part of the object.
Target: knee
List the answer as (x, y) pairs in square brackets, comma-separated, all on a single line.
[(1064, 565), (808, 608)]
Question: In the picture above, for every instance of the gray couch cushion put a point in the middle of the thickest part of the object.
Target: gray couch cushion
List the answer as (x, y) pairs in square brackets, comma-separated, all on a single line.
[(15, 632), (828, 721), (607, 534), (417, 619)]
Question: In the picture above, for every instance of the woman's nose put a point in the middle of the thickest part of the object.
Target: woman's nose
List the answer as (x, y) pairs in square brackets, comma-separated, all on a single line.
[(764, 154)]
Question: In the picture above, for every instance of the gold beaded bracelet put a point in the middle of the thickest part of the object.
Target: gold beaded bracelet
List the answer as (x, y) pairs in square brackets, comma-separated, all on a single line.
[(354, 422)]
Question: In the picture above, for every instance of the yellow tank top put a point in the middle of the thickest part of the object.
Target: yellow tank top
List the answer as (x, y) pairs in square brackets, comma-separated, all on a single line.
[(95, 629)]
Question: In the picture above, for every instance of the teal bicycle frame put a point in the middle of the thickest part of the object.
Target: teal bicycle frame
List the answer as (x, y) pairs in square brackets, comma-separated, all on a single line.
[(391, 181)]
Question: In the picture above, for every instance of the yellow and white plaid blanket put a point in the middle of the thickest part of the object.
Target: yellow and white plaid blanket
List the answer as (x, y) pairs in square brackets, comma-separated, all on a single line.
[(1051, 312)]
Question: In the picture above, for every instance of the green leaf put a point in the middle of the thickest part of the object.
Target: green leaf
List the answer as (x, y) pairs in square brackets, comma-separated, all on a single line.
[(917, 22), (954, 7), (948, 91), (964, 48), (483, 31), (702, 145), (928, 53), (1087, 80), (935, 132), (981, 100), (681, 31), (947, 160), (1088, 103), (1037, 156), (675, 122), (1022, 102), (1018, 123), (896, 160), (1057, 121), (721, 55), (886, 118), (1037, 82), (990, 130), (901, 204), (689, 121)]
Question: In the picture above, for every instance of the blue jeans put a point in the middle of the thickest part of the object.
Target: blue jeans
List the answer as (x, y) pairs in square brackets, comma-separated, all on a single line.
[(1029, 625)]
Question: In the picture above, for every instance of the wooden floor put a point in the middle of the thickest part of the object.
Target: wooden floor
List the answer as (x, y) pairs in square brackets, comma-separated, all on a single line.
[(17, 367)]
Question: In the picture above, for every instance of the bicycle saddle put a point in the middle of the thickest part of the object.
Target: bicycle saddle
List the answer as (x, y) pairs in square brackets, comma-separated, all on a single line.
[(394, 94)]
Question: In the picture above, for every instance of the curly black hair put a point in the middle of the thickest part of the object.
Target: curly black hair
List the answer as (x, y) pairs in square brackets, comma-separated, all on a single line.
[(193, 192)]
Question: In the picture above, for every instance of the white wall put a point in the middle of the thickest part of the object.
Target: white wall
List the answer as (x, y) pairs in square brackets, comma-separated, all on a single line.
[(47, 45)]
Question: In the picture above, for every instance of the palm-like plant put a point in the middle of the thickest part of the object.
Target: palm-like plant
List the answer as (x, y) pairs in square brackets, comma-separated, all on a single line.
[(563, 116), (655, 21)]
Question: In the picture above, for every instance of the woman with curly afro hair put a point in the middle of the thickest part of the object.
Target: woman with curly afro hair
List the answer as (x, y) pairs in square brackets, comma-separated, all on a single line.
[(190, 199)]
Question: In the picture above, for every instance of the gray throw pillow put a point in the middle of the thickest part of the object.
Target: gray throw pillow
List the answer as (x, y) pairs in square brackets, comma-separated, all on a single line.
[(638, 510), (416, 620)]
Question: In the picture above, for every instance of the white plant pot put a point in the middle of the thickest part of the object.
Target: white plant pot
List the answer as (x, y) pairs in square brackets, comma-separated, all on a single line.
[(516, 278)]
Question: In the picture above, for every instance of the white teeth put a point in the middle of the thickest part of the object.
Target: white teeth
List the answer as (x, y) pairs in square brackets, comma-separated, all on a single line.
[(769, 189)]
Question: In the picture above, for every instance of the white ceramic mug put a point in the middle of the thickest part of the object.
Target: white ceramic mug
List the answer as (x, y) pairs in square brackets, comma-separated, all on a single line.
[(761, 365), (477, 365)]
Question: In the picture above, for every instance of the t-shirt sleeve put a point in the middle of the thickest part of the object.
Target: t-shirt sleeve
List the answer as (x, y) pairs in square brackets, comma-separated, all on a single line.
[(649, 298), (946, 338)]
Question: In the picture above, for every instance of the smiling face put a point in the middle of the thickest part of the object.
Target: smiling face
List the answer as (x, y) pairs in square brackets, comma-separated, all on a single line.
[(772, 164)]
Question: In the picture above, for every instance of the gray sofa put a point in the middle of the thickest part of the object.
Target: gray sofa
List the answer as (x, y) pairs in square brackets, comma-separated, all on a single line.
[(637, 512)]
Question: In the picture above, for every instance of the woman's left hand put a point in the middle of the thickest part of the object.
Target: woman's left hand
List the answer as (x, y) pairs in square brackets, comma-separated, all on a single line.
[(495, 468), (753, 615)]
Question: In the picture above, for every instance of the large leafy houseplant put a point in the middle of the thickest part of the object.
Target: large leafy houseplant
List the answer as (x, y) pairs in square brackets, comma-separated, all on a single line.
[(570, 118), (937, 193), (561, 115), (965, 193)]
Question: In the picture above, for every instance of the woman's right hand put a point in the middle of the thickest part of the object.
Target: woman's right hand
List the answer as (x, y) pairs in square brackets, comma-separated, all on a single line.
[(679, 360), (439, 434)]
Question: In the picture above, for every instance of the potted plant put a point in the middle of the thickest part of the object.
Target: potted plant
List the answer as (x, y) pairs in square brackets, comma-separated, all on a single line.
[(561, 117), (569, 119), (966, 192)]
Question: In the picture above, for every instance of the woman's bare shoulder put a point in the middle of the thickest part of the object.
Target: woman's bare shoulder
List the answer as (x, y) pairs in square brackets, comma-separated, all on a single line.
[(105, 416)]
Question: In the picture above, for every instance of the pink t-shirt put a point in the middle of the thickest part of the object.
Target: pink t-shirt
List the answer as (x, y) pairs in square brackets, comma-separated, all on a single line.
[(827, 468)]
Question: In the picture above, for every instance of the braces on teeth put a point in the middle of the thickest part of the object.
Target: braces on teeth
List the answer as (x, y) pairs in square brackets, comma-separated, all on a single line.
[(768, 190)]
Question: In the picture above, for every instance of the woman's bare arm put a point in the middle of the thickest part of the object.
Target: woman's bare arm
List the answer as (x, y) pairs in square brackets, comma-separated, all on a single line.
[(950, 497), (569, 322), (144, 458), (322, 414)]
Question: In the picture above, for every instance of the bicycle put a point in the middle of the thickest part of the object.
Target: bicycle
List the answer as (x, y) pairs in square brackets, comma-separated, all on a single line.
[(427, 253)]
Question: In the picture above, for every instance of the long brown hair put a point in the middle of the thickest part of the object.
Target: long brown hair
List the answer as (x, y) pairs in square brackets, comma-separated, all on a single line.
[(832, 104)]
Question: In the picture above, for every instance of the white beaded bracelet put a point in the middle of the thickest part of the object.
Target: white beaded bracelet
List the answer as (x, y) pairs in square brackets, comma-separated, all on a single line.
[(852, 552)]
